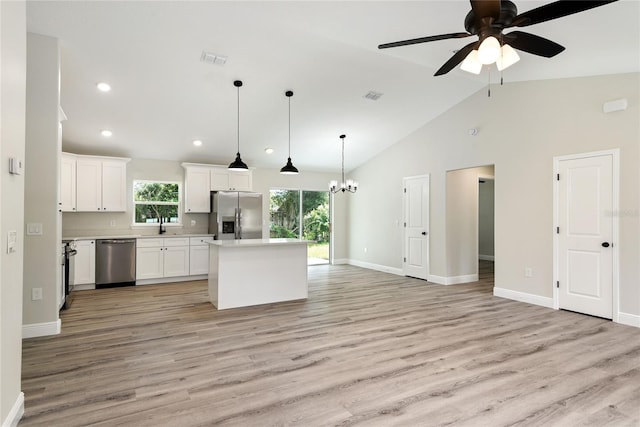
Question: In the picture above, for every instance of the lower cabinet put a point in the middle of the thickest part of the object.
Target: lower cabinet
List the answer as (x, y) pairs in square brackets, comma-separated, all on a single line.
[(162, 257), (84, 263), (199, 255)]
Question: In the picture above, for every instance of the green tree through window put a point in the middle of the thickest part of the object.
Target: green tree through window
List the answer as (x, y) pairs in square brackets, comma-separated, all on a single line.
[(154, 200)]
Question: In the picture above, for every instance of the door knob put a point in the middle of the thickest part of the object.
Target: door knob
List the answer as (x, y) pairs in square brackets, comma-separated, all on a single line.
[(605, 244), (424, 233)]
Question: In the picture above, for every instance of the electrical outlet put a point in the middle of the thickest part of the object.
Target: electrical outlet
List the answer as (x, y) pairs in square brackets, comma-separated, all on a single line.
[(36, 294), (528, 272), (112, 223), (193, 222), (365, 250)]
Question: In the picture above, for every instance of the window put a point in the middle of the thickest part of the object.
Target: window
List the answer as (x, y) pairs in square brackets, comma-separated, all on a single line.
[(153, 200)]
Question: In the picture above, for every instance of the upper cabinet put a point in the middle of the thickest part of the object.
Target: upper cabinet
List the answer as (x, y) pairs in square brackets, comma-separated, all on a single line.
[(68, 182), (196, 189), (201, 179), (100, 184)]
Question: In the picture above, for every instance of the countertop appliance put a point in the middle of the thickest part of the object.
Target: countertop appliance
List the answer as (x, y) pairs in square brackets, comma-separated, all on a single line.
[(115, 262), (68, 253), (235, 215)]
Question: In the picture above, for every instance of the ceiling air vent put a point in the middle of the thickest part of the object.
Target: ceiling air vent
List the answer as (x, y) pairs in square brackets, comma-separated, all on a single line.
[(374, 96), (212, 58)]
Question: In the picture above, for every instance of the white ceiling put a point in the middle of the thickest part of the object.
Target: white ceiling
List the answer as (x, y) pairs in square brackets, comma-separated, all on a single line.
[(163, 96)]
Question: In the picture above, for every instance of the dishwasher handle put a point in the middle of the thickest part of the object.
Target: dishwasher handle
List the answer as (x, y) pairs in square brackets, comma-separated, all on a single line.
[(116, 242)]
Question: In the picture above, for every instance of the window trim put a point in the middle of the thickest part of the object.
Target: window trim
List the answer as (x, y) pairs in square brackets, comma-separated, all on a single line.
[(135, 224)]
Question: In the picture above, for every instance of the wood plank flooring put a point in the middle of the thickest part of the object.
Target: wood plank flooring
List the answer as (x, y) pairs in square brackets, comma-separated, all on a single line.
[(366, 349)]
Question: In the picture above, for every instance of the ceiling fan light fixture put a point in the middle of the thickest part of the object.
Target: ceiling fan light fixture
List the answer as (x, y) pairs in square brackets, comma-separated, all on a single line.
[(471, 63), (489, 50), (508, 57)]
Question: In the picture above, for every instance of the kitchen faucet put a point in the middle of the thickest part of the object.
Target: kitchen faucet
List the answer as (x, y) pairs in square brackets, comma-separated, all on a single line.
[(162, 230)]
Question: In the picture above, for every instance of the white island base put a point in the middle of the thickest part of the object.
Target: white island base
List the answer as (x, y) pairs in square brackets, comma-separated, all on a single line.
[(257, 271)]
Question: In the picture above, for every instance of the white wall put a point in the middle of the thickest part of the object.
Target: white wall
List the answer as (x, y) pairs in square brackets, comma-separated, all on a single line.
[(485, 219), (521, 128), (13, 52), (41, 182)]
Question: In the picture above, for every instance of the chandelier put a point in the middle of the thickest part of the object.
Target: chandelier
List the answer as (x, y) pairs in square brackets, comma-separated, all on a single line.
[(348, 185)]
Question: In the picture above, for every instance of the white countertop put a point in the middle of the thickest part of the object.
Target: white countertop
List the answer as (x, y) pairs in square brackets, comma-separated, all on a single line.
[(258, 242), (132, 236)]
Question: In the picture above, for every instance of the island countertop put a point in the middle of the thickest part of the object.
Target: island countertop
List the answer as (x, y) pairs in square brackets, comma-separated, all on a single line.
[(258, 242)]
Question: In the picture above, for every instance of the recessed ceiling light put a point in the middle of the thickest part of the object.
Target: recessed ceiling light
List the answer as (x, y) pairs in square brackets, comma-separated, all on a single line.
[(106, 133), (197, 142), (103, 87), (268, 150)]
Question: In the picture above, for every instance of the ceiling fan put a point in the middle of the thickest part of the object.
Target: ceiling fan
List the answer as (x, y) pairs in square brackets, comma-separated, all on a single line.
[(487, 19)]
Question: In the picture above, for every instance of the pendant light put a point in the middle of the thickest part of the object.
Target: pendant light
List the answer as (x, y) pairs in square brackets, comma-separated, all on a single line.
[(238, 164), (348, 185), (289, 169)]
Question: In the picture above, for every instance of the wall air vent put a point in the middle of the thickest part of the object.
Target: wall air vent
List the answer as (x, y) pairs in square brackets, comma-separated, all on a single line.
[(372, 95), (212, 58)]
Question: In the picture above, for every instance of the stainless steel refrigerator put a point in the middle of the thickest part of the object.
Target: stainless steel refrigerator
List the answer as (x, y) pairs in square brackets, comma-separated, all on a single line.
[(235, 215)]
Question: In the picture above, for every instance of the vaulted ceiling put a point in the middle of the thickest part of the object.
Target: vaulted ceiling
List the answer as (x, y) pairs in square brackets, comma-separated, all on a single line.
[(163, 96)]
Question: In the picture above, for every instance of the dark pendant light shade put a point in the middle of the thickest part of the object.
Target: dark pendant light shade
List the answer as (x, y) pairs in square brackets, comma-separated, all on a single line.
[(289, 169), (238, 164)]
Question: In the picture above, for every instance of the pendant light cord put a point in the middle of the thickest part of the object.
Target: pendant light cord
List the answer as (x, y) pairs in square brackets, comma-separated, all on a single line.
[(343, 181), (289, 127), (238, 87)]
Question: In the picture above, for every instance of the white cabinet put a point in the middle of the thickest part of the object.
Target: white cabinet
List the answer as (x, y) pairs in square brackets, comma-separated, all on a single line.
[(162, 257), (197, 190), (223, 179), (68, 182), (201, 179), (101, 184), (85, 262), (88, 185), (199, 255), (114, 185)]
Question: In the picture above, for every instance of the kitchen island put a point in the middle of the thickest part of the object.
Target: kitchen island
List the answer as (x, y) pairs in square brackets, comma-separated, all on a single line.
[(257, 271)]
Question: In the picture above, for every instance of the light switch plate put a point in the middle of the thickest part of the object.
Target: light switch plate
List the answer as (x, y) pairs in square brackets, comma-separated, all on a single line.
[(34, 229), (12, 238)]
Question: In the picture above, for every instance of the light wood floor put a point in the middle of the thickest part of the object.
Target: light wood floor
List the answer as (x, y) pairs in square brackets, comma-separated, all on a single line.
[(367, 348)]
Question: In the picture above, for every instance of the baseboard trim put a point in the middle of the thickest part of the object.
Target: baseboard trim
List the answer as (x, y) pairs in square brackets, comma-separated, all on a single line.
[(452, 280), (16, 412), (161, 280), (523, 297), (41, 329), (629, 319), (377, 267), (486, 257)]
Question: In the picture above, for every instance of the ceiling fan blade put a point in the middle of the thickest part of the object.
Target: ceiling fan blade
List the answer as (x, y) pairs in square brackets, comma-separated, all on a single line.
[(424, 40), (555, 10), (533, 44), (486, 8), (456, 59)]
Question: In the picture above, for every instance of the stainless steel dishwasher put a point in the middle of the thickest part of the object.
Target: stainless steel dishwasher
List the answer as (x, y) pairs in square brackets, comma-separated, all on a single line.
[(115, 262)]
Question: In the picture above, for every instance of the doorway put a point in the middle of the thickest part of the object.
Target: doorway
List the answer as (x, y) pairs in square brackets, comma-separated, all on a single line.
[(486, 226), (586, 231), (302, 214)]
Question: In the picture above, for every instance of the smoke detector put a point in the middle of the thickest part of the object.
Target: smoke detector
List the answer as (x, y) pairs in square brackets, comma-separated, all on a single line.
[(213, 58), (373, 95)]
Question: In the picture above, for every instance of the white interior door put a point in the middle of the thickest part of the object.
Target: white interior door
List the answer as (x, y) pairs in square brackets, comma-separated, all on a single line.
[(416, 227), (585, 235)]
